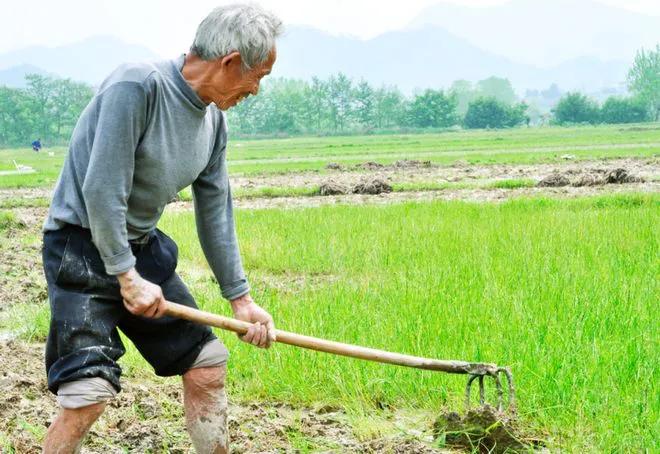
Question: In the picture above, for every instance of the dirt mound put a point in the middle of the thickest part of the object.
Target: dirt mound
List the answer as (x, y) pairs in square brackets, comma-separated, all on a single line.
[(484, 430), (620, 176), (331, 187), (369, 165), (373, 187), (334, 166), (554, 180), (588, 179), (411, 164)]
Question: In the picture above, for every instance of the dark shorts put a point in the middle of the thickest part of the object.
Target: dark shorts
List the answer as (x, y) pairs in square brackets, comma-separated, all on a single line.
[(86, 310)]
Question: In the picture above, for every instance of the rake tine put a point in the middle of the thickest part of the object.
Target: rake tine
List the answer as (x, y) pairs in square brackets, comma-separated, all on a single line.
[(468, 389), (500, 392), (482, 390), (509, 379)]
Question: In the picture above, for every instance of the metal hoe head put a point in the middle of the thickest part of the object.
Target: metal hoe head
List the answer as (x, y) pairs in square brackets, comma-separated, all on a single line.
[(494, 373)]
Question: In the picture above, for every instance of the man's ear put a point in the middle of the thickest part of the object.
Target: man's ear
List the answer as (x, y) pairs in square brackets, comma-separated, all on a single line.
[(231, 60)]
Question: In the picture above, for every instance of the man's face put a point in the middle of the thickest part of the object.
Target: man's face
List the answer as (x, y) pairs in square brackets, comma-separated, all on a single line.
[(232, 83)]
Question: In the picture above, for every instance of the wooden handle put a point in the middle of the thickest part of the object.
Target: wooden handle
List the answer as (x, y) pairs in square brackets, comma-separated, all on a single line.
[(337, 348)]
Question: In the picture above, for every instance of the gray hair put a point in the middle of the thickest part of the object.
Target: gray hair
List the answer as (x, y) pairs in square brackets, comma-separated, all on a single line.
[(244, 28)]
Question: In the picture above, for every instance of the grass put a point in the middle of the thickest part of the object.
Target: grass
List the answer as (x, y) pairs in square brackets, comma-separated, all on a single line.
[(513, 183), (47, 167), (15, 202), (8, 221), (563, 291), (310, 191), (514, 146)]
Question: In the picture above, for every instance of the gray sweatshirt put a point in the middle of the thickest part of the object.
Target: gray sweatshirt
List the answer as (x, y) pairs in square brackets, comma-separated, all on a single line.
[(145, 136)]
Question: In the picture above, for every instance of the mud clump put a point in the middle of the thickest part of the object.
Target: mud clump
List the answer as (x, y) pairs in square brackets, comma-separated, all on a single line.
[(411, 164), (369, 165), (373, 187), (334, 166), (620, 176), (483, 429), (588, 179), (554, 180), (331, 187), (599, 177)]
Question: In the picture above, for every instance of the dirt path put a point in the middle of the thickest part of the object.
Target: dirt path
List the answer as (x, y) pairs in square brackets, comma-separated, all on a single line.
[(645, 168), (468, 195)]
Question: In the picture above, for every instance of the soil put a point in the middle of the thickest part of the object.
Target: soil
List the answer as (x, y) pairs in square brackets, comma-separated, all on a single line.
[(21, 278), (646, 172), (468, 195), (331, 187), (374, 186), (555, 180), (646, 169), (485, 429), (147, 416)]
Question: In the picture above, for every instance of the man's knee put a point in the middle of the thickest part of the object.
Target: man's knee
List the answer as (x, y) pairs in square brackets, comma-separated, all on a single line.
[(205, 380)]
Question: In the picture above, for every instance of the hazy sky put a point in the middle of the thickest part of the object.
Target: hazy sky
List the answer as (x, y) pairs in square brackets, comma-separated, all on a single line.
[(167, 27)]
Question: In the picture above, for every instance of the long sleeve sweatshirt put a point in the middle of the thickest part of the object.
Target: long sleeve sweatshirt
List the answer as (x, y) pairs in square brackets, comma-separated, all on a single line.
[(146, 135)]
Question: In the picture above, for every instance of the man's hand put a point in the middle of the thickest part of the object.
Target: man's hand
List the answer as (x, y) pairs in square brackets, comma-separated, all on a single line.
[(141, 297), (262, 331)]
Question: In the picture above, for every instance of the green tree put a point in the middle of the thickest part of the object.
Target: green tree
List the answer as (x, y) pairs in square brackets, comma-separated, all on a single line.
[(40, 90), (67, 100), (340, 88), (498, 88), (576, 108), (491, 113), (518, 114), (624, 110), (283, 106), (464, 93), (433, 109), (364, 109), (16, 121), (644, 79), (389, 106), (318, 105)]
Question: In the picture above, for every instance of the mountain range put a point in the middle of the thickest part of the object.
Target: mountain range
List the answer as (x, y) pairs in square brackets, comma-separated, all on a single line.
[(546, 33), (532, 43), (89, 60)]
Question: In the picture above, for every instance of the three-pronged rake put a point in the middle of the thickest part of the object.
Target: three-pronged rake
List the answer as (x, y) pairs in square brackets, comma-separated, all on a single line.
[(475, 371)]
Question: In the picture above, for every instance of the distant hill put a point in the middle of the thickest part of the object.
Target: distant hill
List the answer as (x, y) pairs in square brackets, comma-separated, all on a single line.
[(15, 76), (547, 32), (430, 56), (89, 60), (418, 57)]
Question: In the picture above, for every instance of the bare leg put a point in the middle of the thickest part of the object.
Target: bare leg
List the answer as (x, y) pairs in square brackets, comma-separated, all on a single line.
[(205, 403), (66, 433)]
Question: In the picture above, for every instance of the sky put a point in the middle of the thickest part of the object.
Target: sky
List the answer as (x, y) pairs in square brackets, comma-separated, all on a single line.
[(167, 26)]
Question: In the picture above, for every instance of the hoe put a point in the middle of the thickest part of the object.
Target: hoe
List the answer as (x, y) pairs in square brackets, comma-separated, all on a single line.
[(474, 371)]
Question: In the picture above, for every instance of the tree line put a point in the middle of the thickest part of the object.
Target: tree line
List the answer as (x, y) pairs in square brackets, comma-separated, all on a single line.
[(48, 108)]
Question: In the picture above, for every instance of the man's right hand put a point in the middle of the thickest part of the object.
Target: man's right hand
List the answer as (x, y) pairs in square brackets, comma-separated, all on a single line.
[(141, 297)]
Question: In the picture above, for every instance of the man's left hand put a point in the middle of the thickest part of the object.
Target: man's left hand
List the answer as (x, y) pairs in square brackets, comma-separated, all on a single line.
[(262, 331)]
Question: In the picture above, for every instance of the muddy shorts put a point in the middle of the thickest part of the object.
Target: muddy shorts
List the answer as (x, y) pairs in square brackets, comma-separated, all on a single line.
[(87, 309)]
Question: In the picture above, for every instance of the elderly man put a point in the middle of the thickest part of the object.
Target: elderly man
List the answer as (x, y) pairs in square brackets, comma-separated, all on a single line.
[(150, 131)]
